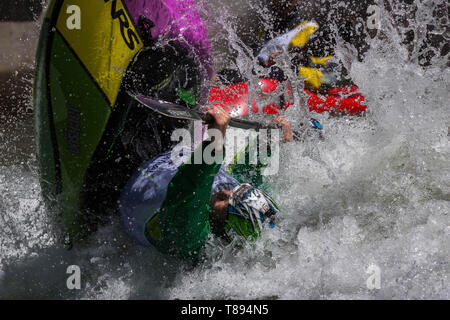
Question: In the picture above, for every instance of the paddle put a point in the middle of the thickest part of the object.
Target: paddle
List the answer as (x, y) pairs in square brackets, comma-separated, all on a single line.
[(177, 111), (173, 110)]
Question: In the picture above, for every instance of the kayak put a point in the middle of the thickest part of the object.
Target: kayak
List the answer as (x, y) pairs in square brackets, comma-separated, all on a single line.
[(239, 100), (80, 106)]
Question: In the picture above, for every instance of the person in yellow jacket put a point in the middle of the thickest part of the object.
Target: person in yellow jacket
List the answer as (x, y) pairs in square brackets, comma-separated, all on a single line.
[(311, 52)]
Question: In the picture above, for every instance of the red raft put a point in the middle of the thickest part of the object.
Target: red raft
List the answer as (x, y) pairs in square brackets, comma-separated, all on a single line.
[(235, 99)]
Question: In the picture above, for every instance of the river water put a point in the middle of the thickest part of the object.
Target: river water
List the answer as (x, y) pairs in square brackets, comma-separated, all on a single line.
[(372, 198)]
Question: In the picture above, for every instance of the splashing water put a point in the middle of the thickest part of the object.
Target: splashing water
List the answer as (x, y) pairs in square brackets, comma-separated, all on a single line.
[(374, 192)]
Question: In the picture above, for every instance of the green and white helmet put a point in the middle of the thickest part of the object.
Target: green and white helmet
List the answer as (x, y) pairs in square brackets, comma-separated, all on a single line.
[(249, 209)]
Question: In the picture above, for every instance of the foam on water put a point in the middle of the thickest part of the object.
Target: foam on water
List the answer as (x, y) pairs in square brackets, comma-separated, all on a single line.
[(375, 192)]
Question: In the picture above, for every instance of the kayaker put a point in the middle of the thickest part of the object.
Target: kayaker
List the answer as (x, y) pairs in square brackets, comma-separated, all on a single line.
[(311, 49), (174, 204)]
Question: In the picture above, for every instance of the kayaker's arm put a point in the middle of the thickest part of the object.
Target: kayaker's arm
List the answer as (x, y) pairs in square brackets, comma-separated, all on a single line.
[(242, 168), (184, 214)]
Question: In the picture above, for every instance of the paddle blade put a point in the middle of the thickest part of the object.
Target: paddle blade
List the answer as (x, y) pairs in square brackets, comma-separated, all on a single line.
[(168, 109)]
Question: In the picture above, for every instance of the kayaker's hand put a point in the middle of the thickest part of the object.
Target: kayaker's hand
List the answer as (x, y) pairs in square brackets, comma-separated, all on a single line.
[(267, 57), (219, 211), (217, 118), (288, 135), (271, 61)]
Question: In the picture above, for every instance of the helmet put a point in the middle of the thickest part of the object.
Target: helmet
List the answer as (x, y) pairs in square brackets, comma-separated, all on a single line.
[(177, 47), (166, 73), (249, 209)]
